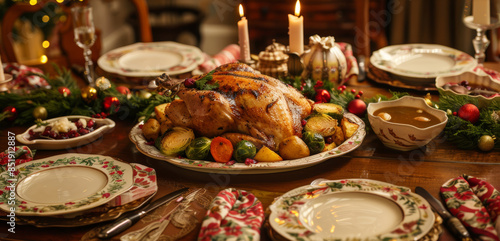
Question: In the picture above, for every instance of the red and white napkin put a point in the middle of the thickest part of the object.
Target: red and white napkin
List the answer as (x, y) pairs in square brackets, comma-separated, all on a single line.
[(233, 215), (230, 54), (476, 203)]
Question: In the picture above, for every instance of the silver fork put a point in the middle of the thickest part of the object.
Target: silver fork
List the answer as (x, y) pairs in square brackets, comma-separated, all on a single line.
[(154, 230)]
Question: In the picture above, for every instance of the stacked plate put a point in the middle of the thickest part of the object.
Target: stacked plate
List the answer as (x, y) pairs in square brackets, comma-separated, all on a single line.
[(417, 65), (352, 209), (151, 59), (68, 190)]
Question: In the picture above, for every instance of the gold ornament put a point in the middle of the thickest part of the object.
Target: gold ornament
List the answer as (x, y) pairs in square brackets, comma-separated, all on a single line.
[(40, 113), (89, 94), (144, 94), (103, 83)]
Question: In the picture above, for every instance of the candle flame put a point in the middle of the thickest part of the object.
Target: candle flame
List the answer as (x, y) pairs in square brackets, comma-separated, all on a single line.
[(297, 8), (241, 11)]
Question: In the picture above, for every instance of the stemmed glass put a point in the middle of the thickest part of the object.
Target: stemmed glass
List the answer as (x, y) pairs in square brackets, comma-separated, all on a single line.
[(481, 15), (84, 29)]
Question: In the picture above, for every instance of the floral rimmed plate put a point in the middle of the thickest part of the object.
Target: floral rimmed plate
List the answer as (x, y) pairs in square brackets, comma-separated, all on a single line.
[(421, 63), (63, 184), (351, 209), (151, 59), (103, 126), (261, 167)]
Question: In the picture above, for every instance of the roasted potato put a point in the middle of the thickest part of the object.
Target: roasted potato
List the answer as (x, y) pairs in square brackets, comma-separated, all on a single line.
[(338, 136), (166, 125), (267, 155), (151, 129), (292, 148), (160, 112), (348, 127)]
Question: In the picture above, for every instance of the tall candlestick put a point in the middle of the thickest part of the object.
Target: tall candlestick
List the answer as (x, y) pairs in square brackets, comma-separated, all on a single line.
[(296, 30), (2, 75), (243, 38), (481, 11)]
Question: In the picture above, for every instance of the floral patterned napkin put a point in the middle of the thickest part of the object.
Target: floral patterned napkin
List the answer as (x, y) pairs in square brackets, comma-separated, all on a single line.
[(233, 215), (25, 77), (476, 203)]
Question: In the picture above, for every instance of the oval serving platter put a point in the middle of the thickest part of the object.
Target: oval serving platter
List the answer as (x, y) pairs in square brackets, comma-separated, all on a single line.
[(104, 125), (56, 185), (261, 167), (351, 209)]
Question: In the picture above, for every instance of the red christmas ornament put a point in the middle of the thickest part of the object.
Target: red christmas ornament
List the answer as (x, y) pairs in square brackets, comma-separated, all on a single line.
[(123, 90), (11, 112), (357, 107), (469, 112), (322, 96), (111, 104), (64, 91)]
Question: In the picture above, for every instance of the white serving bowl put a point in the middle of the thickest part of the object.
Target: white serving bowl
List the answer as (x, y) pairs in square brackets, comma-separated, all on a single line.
[(105, 125), (482, 79), (405, 137)]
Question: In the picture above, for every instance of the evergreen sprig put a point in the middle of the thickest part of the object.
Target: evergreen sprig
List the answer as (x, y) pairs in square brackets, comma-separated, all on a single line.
[(57, 105)]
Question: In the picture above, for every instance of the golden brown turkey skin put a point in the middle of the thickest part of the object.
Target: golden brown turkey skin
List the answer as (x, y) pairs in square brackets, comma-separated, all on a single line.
[(245, 102)]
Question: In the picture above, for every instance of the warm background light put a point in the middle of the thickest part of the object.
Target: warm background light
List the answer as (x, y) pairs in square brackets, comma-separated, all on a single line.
[(45, 44), (297, 8), (33, 2), (44, 59), (45, 18)]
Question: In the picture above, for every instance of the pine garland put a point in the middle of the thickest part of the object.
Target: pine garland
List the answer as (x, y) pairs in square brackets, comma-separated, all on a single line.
[(57, 105)]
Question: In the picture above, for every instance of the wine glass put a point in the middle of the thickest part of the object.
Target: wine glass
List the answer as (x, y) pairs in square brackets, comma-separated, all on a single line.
[(481, 15), (84, 29)]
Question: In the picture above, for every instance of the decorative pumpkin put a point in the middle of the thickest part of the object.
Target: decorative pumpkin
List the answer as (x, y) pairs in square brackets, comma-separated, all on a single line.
[(273, 61), (324, 61)]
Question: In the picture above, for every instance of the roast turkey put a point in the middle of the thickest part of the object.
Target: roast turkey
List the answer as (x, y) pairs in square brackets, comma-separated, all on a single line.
[(242, 101)]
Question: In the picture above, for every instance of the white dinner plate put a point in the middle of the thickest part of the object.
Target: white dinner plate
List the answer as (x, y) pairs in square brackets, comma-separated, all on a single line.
[(63, 184), (261, 167), (351, 209), (421, 63), (104, 125), (151, 59)]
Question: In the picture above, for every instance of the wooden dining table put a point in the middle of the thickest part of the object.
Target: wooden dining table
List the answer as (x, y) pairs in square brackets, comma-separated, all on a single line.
[(428, 167)]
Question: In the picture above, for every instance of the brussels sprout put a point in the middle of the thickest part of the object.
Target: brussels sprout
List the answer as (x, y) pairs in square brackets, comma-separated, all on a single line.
[(175, 141), (314, 141), (331, 109), (321, 123), (198, 149), (243, 150)]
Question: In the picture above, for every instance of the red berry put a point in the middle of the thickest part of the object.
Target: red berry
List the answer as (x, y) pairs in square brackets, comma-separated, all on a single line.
[(360, 92), (353, 91), (329, 139), (190, 83), (303, 122), (90, 123), (357, 96), (250, 161), (343, 87), (454, 113), (83, 131), (230, 163)]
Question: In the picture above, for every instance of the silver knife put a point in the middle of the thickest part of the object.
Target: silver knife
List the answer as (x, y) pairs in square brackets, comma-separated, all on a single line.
[(451, 222), (121, 224)]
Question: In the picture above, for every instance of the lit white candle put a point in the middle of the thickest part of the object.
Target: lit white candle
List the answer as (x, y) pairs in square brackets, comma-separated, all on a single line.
[(481, 11), (2, 75), (296, 30), (243, 38)]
